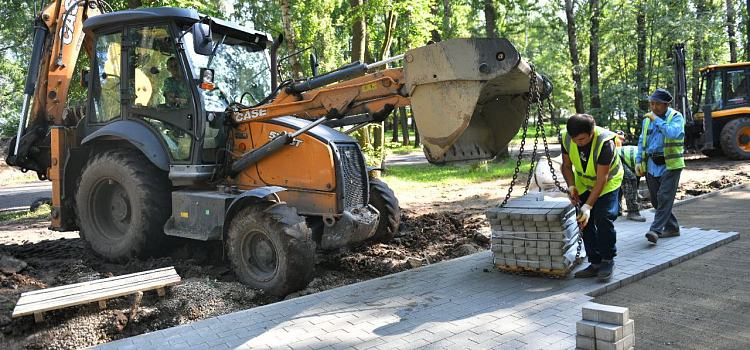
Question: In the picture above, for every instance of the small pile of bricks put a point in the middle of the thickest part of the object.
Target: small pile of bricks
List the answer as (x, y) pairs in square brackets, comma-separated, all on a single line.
[(533, 234), (605, 327)]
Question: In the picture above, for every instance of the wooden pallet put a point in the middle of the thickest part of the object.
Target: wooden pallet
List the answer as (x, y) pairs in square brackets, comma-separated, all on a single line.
[(39, 301), (542, 271)]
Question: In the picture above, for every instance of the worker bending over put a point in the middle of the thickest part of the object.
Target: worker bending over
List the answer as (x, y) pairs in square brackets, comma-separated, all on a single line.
[(591, 150)]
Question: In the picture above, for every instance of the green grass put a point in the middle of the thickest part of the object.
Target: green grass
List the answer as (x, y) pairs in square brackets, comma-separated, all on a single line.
[(457, 174), (42, 213)]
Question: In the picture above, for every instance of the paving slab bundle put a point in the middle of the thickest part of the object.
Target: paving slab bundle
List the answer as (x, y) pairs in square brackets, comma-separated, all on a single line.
[(535, 233), (605, 327)]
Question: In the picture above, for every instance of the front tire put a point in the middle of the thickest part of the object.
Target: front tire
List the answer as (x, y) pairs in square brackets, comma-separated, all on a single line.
[(271, 248), (122, 203), (735, 139), (385, 201)]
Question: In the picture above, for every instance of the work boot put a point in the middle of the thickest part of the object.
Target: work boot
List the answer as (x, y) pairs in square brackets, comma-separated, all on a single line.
[(652, 236), (670, 232), (636, 216), (606, 270), (590, 271)]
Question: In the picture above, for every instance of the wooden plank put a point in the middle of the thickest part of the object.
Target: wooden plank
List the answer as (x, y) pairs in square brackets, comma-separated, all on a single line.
[(38, 317), (99, 290), (76, 299), (102, 304), (163, 271), (92, 286), (151, 283)]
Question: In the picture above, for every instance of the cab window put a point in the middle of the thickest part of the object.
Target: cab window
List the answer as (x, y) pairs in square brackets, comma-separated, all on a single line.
[(737, 87), (106, 80)]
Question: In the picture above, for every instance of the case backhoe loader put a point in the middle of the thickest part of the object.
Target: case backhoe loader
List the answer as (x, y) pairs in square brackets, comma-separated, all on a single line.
[(164, 146)]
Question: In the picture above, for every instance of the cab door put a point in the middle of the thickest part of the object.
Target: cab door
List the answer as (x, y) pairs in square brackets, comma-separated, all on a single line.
[(158, 90)]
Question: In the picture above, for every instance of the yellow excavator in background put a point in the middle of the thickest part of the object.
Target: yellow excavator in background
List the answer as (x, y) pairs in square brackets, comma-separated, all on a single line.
[(165, 147)]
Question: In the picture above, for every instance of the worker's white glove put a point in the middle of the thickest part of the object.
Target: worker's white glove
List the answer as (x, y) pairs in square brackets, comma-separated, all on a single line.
[(638, 170), (584, 215)]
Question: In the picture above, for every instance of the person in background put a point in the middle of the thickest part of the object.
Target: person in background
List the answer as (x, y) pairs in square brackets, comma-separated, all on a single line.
[(660, 158), (592, 151), (630, 182), (175, 89)]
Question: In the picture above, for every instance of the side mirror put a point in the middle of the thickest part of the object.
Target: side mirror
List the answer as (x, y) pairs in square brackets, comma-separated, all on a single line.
[(314, 64), (203, 42), (84, 78)]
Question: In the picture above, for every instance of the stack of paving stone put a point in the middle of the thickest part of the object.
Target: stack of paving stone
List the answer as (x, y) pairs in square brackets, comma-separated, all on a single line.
[(605, 327), (535, 233)]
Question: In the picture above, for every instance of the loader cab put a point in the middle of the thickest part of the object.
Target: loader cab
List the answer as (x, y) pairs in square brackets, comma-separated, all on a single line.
[(146, 84), (722, 125)]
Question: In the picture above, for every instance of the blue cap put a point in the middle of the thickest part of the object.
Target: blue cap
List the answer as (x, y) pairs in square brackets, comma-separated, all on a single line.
[(661, 95)]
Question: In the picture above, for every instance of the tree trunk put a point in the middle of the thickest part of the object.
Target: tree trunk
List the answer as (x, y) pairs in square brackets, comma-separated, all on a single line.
[(394, 126), (416, 131), (134, 4), (359, 28), (731, 33), (435, 11), (700, 16), (594, 56), (447, 27), (640, 70), (573, 46), (404, 126), (289, 39), (489, 18), (390, 26)]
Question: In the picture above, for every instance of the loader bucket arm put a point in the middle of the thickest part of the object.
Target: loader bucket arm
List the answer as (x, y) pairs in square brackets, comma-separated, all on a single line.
[(468, 96)]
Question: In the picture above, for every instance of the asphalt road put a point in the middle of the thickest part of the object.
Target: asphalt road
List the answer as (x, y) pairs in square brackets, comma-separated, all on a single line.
[(19, 197), (703, 303)]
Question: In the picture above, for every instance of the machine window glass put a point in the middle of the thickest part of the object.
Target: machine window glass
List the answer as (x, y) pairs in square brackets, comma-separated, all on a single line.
[(106, 89), (240, 67), (157, 79), (716, 102), (737, 87), (178, 142)]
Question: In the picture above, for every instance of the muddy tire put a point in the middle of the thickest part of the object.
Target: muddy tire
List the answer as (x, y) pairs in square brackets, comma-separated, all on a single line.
[(271, 248), (122, 203), (735, 139), (385, 201)]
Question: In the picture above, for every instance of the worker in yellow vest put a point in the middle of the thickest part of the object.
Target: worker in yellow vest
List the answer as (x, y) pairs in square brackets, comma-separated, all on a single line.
[(592, 152), (659, 157), (630, 181)]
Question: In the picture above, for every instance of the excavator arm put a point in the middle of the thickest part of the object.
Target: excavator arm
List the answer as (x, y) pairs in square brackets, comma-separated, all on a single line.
[(468, 97), (58, 37)]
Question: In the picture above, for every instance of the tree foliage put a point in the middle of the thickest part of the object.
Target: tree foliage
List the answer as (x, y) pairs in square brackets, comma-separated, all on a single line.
[(537, 29)]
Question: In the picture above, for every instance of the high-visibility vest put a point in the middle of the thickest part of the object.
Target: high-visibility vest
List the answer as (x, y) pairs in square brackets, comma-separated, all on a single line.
[(627, 156), (586, 178), (673, 148)]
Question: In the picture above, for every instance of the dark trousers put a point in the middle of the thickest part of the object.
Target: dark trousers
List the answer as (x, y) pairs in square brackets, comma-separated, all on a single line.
[(629, 190), (599, 236), (663, 189)]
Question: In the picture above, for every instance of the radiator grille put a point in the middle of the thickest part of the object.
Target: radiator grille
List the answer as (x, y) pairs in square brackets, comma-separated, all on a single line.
[(354, 174)]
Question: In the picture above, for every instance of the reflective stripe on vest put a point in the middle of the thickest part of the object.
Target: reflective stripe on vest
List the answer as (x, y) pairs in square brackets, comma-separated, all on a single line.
[(673, 148), (585, 180), (627, 156)]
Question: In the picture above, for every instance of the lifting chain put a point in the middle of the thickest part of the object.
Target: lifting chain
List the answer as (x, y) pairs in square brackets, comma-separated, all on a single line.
[(535, 98)]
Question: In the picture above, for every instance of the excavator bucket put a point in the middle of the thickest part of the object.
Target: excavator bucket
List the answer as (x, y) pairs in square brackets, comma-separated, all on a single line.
[(468, 96)]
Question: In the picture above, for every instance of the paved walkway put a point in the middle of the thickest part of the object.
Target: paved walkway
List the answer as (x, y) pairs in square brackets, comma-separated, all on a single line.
[(458, 304)]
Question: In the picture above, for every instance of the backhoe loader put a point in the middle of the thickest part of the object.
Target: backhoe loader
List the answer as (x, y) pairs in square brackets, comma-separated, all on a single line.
[(188, 132)]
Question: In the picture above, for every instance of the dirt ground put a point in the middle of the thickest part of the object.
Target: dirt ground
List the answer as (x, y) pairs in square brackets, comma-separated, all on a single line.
[(437, 224)]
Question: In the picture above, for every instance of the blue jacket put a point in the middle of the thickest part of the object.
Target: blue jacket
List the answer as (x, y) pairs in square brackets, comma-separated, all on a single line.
[(657, 130)]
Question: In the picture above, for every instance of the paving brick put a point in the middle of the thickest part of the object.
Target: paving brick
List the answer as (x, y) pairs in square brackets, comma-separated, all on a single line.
[(624, 344), (605, 313), (585, 343)]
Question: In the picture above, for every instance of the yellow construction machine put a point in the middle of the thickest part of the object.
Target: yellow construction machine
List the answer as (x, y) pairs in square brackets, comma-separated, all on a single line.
[(188, 132)]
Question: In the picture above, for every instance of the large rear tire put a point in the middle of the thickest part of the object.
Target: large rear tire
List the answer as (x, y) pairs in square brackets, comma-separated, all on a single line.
[(735, 139), (271, 248), (385, 201), (122, 203)]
